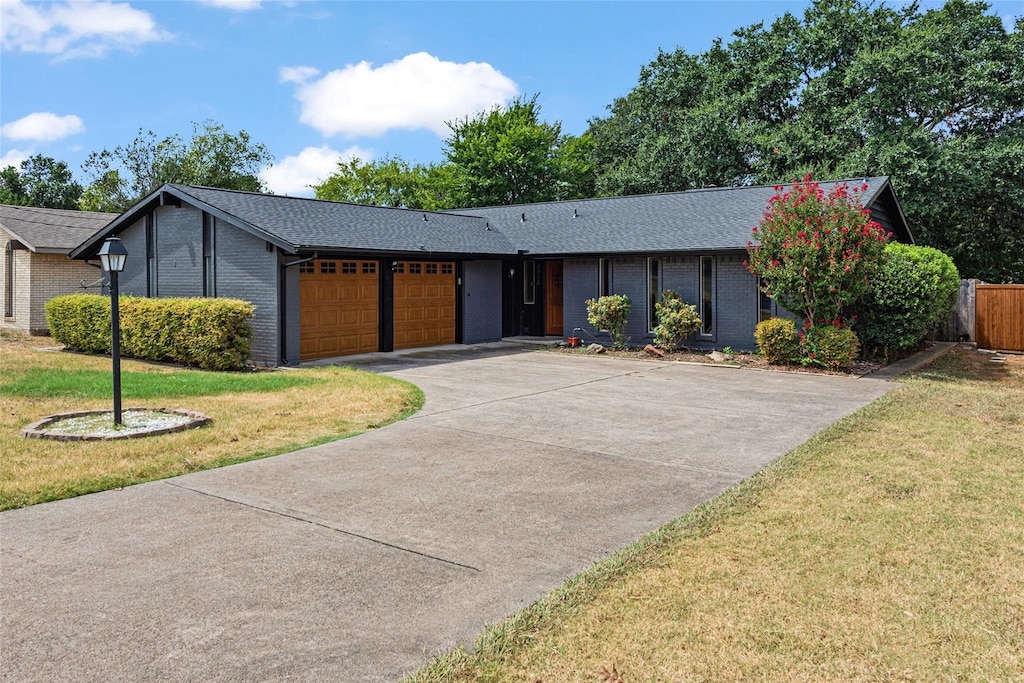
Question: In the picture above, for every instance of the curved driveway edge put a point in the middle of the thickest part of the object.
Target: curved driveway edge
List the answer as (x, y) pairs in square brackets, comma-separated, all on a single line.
[(359, 559)]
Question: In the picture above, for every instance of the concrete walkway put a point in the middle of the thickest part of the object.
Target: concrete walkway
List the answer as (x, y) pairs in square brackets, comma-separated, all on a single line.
[(358, 560)]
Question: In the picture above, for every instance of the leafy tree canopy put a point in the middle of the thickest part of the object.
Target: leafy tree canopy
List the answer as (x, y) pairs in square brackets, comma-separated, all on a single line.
[(213, 157), (392, 181), (41, 181), (507, 155), (934, 99)]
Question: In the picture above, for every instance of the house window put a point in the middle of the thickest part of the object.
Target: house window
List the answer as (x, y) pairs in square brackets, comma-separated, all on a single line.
[(398, 267), (653, 291), (707, 296), (328, 267), (604, 277), (415, 269), (369, 267), (530, 282), (764, 303), (431, 269), (307, 267), (447, 269), (9, 281), (348, 267), (209, 274)]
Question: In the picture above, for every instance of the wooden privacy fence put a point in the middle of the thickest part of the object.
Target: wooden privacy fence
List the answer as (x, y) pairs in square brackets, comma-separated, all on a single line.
[(999, 317)]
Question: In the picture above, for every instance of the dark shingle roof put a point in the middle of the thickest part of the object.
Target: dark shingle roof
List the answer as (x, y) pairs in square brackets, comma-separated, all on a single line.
[(713, 219), (695, 220), (316, 224), (54, 231)]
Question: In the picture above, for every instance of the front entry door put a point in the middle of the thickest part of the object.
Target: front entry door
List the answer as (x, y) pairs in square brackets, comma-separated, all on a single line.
[(553, 298)]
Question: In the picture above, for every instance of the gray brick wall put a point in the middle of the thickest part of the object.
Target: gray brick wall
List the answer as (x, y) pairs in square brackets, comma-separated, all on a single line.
[(179, 245), (481, 301), (735, 296), (133, 279), (579, 283), (247, 271)]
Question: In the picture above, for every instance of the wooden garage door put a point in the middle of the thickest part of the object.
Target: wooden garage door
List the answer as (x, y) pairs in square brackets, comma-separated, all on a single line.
[(337, 308), (424, 304)]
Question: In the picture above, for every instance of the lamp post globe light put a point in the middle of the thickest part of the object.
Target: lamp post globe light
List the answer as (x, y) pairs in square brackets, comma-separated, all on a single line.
[(112, 257)]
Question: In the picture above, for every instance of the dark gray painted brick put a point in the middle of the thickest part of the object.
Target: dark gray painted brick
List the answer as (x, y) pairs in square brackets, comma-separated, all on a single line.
[(247, 271), (481, 301), (179, 244)]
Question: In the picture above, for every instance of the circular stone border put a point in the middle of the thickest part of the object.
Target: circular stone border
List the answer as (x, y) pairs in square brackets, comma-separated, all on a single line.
[(37, 430)]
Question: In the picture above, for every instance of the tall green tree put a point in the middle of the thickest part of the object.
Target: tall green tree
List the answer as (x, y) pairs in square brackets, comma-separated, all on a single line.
[(508, 155), (934, 99), (41, 181), (392, 181), (213, 157)]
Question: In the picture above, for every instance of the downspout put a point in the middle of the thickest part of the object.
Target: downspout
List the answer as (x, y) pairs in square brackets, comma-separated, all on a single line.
[(283, 313)]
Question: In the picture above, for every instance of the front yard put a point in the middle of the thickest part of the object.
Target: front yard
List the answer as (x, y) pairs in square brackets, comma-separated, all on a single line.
[(889, 547), (254, 415)]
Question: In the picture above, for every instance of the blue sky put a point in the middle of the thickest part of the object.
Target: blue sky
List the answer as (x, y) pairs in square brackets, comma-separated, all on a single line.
[(321, 81)]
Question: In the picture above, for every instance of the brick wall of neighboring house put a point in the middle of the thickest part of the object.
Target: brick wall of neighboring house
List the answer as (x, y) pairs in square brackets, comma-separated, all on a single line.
[(37, 279), (481, 301), (53, 275)]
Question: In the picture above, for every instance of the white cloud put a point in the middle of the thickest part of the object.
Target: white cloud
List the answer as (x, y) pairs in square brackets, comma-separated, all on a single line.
[(75, 29), (418, 91), (14, 157), (294, 174), (236, 5), (42, 125), (297, 74)]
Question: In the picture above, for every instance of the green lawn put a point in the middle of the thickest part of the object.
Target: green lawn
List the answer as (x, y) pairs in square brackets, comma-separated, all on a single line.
[(889, 547), (255, 414), (50, 382)]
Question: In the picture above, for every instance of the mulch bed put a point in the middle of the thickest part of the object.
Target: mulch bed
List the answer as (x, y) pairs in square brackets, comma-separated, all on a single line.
[(746, 360)]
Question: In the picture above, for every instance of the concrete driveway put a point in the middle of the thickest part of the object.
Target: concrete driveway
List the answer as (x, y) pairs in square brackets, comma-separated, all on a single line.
[(358, 560)]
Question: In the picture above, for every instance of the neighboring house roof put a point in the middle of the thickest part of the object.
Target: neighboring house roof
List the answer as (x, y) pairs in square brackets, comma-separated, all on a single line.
[(51, 231), (712, 219)]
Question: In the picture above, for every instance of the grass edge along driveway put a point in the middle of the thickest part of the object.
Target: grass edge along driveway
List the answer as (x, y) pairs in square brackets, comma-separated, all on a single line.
[(255, 415), (890, 546)]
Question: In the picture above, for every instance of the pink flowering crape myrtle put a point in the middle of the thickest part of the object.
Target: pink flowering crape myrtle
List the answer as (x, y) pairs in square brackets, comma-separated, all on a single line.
[(816, 252)]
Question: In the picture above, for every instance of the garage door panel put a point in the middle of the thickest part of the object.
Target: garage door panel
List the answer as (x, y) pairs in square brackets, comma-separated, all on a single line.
[(424, 309), (338, 314)]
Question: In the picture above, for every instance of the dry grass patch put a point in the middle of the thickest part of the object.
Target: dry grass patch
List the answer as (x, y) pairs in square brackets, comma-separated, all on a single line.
[(334, 403), (890, 547)]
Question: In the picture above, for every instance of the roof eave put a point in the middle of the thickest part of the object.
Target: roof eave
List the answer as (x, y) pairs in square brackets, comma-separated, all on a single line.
[(160, 197)]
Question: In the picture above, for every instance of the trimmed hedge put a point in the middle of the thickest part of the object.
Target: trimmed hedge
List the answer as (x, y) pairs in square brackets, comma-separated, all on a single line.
[(213, 334)]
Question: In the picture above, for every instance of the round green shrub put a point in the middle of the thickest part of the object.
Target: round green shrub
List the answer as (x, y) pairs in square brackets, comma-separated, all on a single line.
[(828, 346), (777, 340), (677, 320), (609, 313), (912, 294)]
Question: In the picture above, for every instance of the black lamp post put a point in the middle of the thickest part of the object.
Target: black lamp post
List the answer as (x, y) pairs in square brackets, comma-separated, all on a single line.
[(113, 255)]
